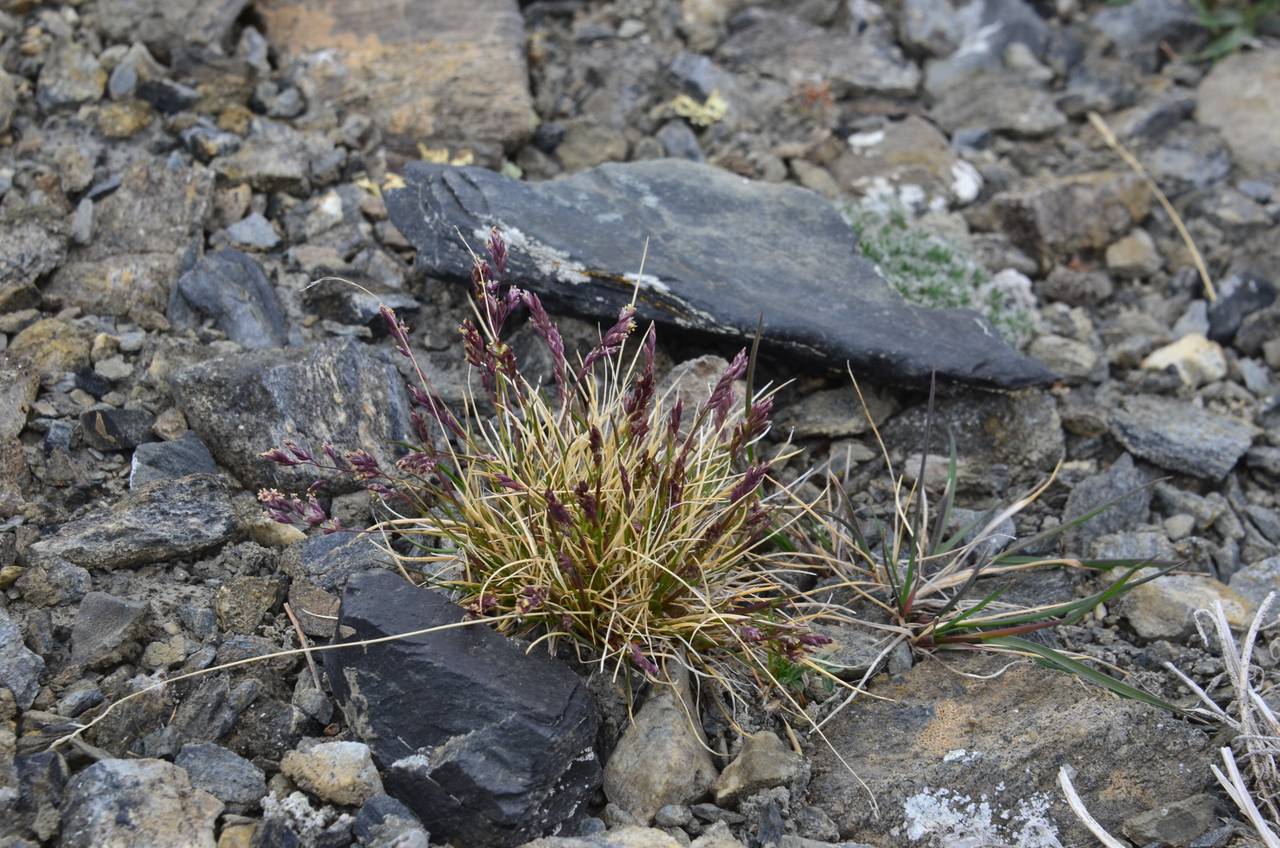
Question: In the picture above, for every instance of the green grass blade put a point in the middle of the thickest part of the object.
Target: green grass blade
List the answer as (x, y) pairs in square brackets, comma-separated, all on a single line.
[(1061, 662)]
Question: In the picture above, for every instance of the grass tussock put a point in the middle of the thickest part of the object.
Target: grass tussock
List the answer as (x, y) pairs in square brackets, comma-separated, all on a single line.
[(596, 513)]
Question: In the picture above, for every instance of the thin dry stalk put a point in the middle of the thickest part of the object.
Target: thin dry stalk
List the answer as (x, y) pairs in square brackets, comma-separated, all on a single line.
[(1257, 727), (1115, 144), (1077, 806), (305, 645)]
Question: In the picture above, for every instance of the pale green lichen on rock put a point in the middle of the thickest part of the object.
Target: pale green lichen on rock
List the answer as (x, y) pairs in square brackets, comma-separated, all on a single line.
[(930, 270)]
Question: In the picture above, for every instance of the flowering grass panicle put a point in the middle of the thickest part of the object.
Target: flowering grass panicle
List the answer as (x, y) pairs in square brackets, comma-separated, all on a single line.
[(592, 513)]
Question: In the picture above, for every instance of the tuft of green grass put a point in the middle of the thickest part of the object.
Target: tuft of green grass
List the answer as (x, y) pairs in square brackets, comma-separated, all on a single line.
[(1233, 23), (930, 271), (594, 514), (932, 586)]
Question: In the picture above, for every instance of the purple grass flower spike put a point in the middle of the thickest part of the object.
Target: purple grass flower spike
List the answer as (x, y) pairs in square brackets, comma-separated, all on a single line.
[(673, 420), (531, 598), (721, 398), (338, 460), (814, 640), (749, 483), (301, 453), (418, 462), (279, 457), (278, 507), (750, 634), (364, 464), (611, 341), (438, 410), (640, 398), (507, 483), (558, 512), (398, 330), (569, 569), (312, 513), (498, 253), (549, 333), (587, 501), (640, 661)]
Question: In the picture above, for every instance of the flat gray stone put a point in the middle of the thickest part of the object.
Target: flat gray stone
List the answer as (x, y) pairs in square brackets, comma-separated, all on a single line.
[(723, 251), (246, 403), (20, 667), (943, 774), (231, 289), (168, 519), (1179, 436)]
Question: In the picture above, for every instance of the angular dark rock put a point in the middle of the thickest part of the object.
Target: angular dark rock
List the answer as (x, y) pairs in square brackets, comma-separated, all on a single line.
[(722, 251), (225, 775), (418, 70), (1138, 28), (384, 821), (230, 288), (160, 521), (984, 30), (1239, 296), (245, 403), (141, 231), (20, 667), (489, 744), (165, 24), (107, 630), (166, 460), (32, 243), (111, 429), (330, 560), (787, 47), (163, 808), (337, 301), (1122, 484), (42, 777)]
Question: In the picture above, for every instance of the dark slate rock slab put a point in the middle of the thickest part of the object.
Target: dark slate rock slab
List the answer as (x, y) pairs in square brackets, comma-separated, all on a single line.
[(116, 429), (329, 560), (20, 668), (166, 460), (168, 519), (229, 288), (341, 392), (723, 250), (490, 745)]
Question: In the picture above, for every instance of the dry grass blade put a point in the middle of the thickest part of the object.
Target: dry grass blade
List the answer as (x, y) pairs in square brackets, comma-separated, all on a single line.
[(1077, 806), (1257, 728), (1114, 143)]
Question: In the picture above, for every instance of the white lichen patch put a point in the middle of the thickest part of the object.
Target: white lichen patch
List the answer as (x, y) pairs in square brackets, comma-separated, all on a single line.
[(966, 182), (864, 140), (549, 261), (941, 817), (647, 282), (960, 755)]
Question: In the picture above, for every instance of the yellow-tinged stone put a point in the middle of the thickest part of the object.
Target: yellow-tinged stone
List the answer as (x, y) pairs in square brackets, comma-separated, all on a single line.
[(273, 534), (1197, 360), (238, 834), (440, 73), (54, 347), (1164, 608), (124, 119)]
